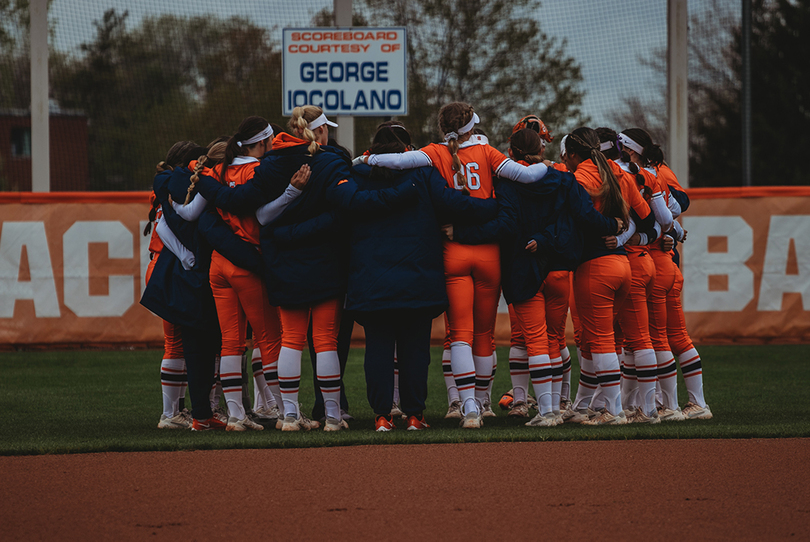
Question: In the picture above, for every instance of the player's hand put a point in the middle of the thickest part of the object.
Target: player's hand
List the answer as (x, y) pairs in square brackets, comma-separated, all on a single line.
[(611, 242), (447, 229), (301, 177), (532, 246), (684, 236), (667, 242), (634, 240), (622, 225)]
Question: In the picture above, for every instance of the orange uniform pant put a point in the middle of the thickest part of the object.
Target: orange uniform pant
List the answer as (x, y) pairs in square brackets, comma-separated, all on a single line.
[(679, 340), (633, 315), (241, 297), (665, 274), (572, 305), (531, 317), (600, 287), (325, 325), (556, 292), (172, 337), (473, 279)]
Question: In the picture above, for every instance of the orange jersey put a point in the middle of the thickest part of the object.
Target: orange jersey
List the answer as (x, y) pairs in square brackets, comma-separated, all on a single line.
[(247, 227), (668, 177), (559, 166), (479, 163), (587, 174)]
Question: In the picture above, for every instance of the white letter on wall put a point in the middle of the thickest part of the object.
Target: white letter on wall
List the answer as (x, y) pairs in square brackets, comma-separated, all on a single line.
[(77, 268), (42, 287), (699, 263), (775, 280)]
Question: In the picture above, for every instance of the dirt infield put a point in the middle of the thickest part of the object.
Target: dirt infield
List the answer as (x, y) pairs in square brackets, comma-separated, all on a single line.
[(690, 489)]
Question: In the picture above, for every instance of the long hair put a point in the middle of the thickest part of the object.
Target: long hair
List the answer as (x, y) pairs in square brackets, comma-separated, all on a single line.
[(527, 145), (615, 152), (585, 143), (452, 117), (247, 129), (301, 117), (174, 158), (651, 152)]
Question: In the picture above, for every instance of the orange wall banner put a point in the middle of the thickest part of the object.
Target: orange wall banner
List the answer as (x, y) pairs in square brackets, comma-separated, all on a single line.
[(72, 268)]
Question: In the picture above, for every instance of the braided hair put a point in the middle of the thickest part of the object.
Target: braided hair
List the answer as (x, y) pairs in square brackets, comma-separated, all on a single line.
[(453, 117)]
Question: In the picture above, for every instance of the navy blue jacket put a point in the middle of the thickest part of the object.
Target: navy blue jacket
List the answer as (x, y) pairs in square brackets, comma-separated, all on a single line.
[(555, 212), (313, 269), (396, 259)]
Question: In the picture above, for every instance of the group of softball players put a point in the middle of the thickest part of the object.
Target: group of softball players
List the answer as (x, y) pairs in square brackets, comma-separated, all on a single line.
[(284, 233)]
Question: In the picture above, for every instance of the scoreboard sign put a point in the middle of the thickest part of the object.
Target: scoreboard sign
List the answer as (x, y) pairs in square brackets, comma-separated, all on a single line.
[(345, 71)]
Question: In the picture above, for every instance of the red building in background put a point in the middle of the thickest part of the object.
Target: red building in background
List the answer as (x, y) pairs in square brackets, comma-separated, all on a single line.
[(70, 170)]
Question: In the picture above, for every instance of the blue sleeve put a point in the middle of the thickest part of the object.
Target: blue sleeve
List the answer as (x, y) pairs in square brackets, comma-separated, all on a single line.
[(455, 205), (580, 205), (343, 193), (314, 228), (222, 238), (501, 227), (645, 225), (239, 200)]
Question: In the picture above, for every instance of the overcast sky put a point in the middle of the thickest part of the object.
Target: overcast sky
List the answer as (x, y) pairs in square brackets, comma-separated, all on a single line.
[(606, 37)]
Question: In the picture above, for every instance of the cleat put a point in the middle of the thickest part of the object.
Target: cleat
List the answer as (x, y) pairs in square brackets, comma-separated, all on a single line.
[(506, 400), (384, 423), (606, 418), (245, 424), (211, 424), (417, 423), (472, 420), (177, 422), (487, 411), (532, 402), (454, 410), (693, 411), (396, 411), (629, 412), (345, 416), (578, 416), (335, 424), (565, 404), (301, 423), (669, 415), (519, 410), (543, 420), (558, 417), (268, 413), (639, 417), (220, 414)]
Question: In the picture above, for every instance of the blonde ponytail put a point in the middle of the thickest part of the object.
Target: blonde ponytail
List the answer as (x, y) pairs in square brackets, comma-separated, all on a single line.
[(198, 167), (301, 117)]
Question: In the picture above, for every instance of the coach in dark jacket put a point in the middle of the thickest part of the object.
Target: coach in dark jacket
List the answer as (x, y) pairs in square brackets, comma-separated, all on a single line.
[(396, 275)]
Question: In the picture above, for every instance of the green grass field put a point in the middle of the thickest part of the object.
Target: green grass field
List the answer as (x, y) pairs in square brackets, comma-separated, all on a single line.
[(94, 401)]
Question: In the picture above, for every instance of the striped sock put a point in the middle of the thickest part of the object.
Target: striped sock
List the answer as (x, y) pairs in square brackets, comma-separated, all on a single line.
[(667, 379), (396, 377), (328, 371), (587, 382), (692, 370), (231, 377), (541, 374), (461, 360), (270, 370), (565, 392), (519, 372), (556, 383), (259, 384), (483, 372), (609, 374), (171, 385), (647, 376), (629, 382), (289, 379), (449, 380), (492, 376)]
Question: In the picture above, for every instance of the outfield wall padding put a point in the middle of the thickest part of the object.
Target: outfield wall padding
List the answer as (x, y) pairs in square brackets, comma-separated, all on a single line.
[(72, 267)]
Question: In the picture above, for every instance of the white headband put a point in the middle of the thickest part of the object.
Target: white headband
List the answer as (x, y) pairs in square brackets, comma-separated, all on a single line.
[(630, 144), (320, 121), (605, 145), (261, 136), (464, 129), (562, 145)]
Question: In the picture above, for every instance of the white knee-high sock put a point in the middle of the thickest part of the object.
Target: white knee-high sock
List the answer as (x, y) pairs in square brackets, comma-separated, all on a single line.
[(492, 375), (692, 370), (629, 384), (565, 392), (556, 383), (231, 377), (259, 384), (540, 373), (289, 379), (461, 360), (587, 382), (270, 370), (483, 372), (171, 385), (519, 372), (328, 371), (647, 376), (449, 381), (608, 374), (667, 379)]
